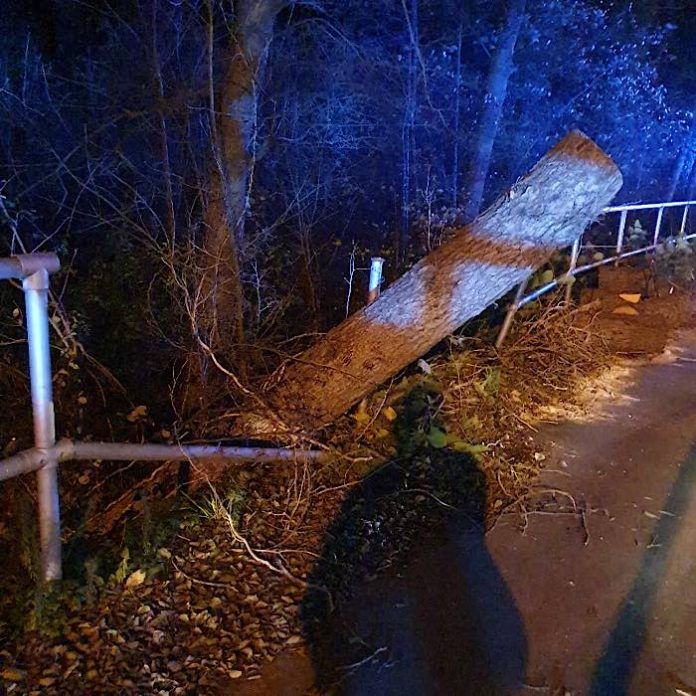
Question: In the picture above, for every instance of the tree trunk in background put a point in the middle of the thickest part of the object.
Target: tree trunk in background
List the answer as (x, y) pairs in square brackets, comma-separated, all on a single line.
[(233, 132), (457, 117), (684, 152), (692, 183), (496, 91), (408, 128), (548, 209), (221, 290), (163, 133)]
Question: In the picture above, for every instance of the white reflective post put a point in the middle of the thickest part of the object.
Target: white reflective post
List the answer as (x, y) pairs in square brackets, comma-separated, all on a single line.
[(376, 265), (622, 229), (658, 224), (683, 225), (35, 289)]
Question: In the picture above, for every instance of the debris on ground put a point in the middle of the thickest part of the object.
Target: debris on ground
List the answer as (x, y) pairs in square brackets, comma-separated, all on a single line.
[(221, 598)]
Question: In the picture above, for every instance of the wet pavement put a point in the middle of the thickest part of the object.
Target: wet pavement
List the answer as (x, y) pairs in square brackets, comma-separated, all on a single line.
[(609, 605)]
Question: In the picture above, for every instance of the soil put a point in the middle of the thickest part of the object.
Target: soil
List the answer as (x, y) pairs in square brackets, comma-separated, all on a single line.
[(658, 312)]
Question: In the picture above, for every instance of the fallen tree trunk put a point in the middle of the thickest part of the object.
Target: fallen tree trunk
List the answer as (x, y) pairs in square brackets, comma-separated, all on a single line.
[(546, 210)]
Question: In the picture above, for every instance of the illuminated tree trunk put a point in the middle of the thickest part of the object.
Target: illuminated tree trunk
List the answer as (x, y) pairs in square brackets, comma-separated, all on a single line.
[(233, 124), (496, 91), (546, 210), (686, 150)]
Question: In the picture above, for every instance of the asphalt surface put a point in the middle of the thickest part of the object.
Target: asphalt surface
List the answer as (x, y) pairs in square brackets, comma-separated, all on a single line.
[(609, 602)]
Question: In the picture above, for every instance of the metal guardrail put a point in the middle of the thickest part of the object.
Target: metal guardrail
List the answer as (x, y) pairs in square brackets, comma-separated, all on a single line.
[(574, 270), (34, 270)]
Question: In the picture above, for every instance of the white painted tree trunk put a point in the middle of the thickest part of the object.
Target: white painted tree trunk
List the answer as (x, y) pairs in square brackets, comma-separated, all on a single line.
[(546, 210)]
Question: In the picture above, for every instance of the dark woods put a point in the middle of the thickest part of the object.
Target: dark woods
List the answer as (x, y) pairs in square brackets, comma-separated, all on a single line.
[(216, 175)]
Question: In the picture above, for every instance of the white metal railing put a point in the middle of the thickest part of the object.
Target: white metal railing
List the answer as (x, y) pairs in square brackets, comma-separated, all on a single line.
[(46, 455), (34, 271), (574, 270)]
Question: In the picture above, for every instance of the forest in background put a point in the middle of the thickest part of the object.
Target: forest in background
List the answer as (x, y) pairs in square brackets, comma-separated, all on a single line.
[(216, 175)]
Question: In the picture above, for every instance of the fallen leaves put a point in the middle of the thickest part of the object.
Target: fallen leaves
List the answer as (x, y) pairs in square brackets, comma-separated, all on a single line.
[(220, 617), (135, 579), (390, 414), (138, 413), (12, 675), (626, 310)]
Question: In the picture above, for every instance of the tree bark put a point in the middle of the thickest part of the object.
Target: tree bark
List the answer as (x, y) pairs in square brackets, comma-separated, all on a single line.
[(547, 209), (684, 152), (233, 126), (408, 134), (496, 91), (457, 116), (238, 102)]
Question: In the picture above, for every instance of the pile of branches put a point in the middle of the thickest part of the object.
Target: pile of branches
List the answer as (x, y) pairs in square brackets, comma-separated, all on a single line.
[(482, 402)]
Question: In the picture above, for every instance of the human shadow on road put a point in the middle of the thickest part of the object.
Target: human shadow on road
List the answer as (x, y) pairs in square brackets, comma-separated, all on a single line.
[(420, 607), (614, 670)]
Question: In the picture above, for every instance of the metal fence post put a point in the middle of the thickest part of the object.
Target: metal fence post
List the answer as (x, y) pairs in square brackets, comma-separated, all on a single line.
[(376, 264), (512, 310), (622, 230), (683, 222), (571, 269), (660, 212), (35, 289)]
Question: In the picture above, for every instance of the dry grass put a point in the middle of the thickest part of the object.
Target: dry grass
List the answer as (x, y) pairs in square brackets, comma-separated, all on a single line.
[(498, 399), (488, 403)]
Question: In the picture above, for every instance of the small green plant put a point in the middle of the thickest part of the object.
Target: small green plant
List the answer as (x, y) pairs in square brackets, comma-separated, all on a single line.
[(637, 236), (121, 572), (489, 386), (226, 507), (676, 260), (439, 439)]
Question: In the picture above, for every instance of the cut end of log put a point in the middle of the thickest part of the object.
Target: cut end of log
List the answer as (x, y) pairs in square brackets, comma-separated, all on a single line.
[(576, 144)]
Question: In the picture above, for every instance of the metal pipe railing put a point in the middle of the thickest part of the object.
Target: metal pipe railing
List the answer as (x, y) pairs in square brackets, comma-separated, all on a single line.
[(35, 288), (34, 270), (512, 310), (573, 270), (646, 206), (23, 265), (65, 450)]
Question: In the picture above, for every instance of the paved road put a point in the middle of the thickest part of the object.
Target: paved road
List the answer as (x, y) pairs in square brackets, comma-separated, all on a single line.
[(616, 615)]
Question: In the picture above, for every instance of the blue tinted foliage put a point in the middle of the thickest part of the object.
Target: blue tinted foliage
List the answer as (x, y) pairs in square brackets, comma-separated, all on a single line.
[(366, 115)]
